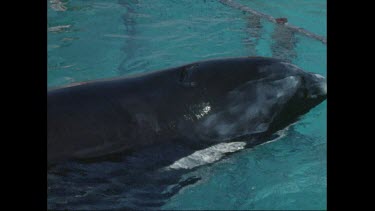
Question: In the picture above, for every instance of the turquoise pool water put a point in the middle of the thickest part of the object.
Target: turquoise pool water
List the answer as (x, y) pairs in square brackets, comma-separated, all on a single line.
[(99, 39)]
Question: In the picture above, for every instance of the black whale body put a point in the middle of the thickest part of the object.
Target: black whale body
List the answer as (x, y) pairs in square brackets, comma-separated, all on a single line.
[(198, 104)]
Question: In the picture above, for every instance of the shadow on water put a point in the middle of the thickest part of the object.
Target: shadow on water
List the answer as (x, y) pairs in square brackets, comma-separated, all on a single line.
[(254, 30), (283, 39), (130, 62), (283, 43)]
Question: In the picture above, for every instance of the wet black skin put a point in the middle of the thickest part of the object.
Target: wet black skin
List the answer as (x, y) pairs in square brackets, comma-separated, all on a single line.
[(104, 117)]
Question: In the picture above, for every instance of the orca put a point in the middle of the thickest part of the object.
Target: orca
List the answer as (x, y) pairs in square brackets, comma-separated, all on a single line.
[(198, 104)]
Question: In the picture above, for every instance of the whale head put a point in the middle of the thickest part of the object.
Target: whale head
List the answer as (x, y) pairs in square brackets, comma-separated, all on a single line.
[(255, 96), (315, 87), (308, 90)]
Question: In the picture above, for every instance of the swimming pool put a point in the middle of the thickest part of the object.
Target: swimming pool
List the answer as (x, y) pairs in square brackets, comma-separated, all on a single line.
[(99, 39)]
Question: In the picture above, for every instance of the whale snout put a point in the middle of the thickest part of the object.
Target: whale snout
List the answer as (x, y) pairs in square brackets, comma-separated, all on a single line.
[(321, 85), (316, 86)]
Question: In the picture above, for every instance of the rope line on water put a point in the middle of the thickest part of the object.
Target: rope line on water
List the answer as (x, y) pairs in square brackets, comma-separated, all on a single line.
[(244, 8)]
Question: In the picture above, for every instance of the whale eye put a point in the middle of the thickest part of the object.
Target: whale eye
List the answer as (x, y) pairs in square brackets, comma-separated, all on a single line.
[(186, 76), (183, 75)]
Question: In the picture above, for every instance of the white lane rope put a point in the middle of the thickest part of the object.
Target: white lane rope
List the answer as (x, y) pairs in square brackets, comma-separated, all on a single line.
[(246, 9)]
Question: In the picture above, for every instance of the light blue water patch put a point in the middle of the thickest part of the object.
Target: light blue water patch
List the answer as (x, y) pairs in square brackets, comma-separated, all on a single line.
[(106, 38), (80, 46)]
